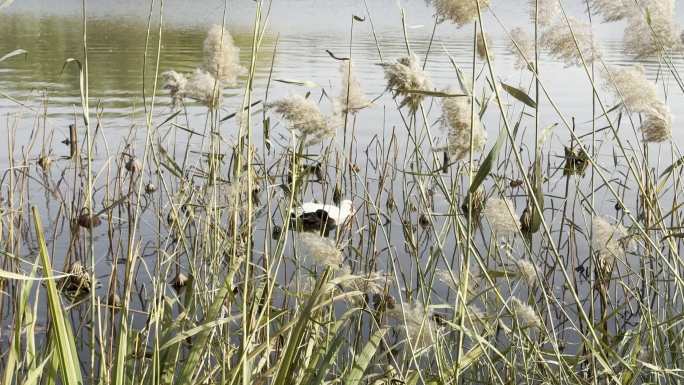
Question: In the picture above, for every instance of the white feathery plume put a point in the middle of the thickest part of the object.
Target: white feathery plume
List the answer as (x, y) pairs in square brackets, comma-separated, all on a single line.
[(407, 75), (527, 271), (525, 314), (558, 39), (524, 52), (418, 324), (306, 120), (614, 10), (222, 56), (175, 82), (460, 12), (454, 283), (548, 10), (372, 283), (203, 87), (657, 126), (322, 250), (352, 97), (500, 214), (608, 241), (631, 86), (456, 116), (662, 33)]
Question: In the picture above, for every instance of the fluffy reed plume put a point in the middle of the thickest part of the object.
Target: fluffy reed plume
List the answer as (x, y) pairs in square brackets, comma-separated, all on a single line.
[(548, 10), (609, 241), (323, 251), (527, 271), (419, 325), (654, 31), (631, 86), (204, 88), (657, 127), (500, 214), (558, 39), (306, 120), (371, 283), (614, 10), (221, 56), (524, 52), (175, 82), (406, 76), (482, 48), (456, 115), (525, 314), (352, 98), (460, 12), (455, 283)]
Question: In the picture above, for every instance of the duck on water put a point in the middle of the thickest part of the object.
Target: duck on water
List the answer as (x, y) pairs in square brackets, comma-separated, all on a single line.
[(312, 216)]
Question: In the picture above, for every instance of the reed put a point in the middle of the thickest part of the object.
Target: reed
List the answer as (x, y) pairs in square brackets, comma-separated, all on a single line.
[(182, 258)]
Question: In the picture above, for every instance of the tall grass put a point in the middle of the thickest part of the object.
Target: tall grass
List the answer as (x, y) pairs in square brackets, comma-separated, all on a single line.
[(464, 262)]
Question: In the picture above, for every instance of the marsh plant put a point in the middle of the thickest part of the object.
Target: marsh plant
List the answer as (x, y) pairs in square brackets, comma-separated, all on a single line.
[(480, 247)]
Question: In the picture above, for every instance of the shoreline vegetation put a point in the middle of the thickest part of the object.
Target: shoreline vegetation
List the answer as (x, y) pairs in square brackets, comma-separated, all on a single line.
[(472, 253)]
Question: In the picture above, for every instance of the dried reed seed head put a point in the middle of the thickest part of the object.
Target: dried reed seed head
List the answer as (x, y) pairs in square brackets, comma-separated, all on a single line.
[(78, 279), (559, 40), (179, 281), (500, 214), (657, 126), (478, 199), (88, 221), (653, 30), (614, 10), (458, 116), (609, 241), (44, 162), (525, 314), (368, 283), (454, 284), (305, 118), (322, 251), (352, 98), (150, 188), (406, 76), (424, 220), (205, 88), (527, 271), (547, 11), (524, 52), (222, 56), (418, 324), (113, 300), (632, 87), (175, 82), (459, 12), (483, 43), (133, 165)]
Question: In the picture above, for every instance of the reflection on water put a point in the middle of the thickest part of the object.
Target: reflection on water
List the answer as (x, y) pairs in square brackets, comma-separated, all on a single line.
[(116, 58)]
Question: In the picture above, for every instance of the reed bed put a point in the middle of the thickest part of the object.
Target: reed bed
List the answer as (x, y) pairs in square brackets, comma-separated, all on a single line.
[(173, 258)]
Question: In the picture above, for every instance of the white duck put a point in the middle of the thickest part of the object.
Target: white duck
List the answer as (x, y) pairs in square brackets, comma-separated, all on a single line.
[(313, 216)]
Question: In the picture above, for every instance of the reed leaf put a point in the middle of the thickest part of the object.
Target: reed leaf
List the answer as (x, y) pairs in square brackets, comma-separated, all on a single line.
[(63, 336), (355, 375)]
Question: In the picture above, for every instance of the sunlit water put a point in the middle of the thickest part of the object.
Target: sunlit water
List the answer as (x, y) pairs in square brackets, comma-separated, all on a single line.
[(40, 84)]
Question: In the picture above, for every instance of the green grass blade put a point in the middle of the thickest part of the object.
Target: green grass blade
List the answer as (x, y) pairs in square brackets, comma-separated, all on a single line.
[(66, 348), (364, 358), (519, 94)]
